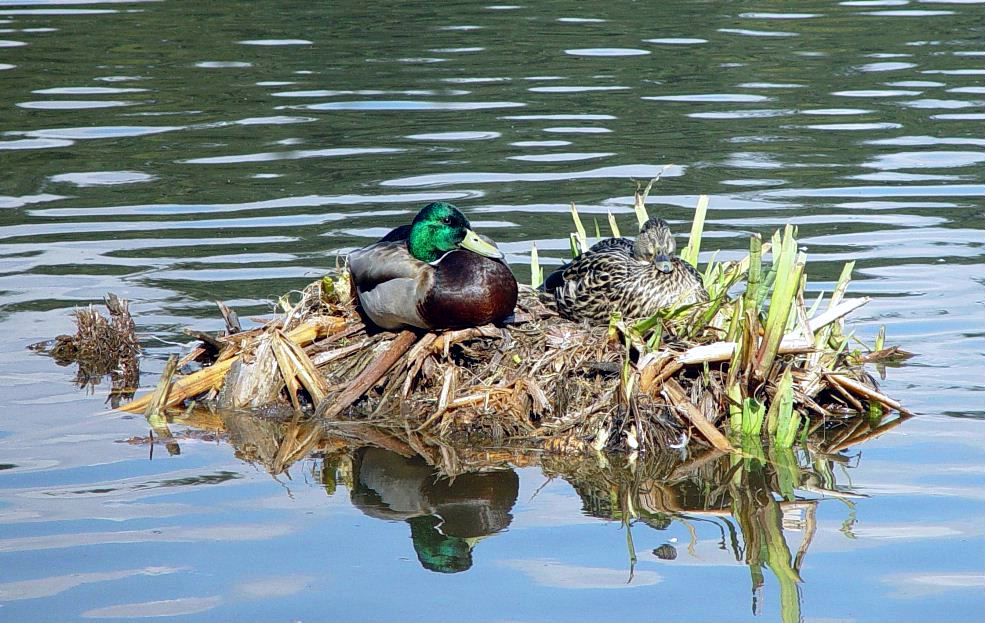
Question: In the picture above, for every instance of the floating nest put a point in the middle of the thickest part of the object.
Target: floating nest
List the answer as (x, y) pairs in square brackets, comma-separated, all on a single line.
[(540, 381), (752, 365)]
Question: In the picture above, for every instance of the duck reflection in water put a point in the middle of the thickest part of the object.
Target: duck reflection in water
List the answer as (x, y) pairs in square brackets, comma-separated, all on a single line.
[(447, 517)]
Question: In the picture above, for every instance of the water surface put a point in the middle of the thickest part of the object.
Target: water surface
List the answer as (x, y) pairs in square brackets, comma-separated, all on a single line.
[(178, 153)]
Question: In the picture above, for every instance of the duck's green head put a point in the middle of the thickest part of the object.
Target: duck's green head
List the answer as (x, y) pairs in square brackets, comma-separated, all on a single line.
[(439, 228)]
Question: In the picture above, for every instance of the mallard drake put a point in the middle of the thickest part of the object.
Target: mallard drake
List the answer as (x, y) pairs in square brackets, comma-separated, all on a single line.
[(435, 273), (636, 278)]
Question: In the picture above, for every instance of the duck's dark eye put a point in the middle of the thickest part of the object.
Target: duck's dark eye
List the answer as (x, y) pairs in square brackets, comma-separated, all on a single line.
[(446, 220)]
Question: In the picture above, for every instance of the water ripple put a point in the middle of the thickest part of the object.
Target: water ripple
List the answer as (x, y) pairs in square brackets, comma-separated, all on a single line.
[(874, 93), (236, 222), (60, 11), (481, 177), (874, 2), (770, 85), (907, 13), (761, 15), (606, 52), (306, 201), (836, 111), (575, 89), (757, 33), (885, 66), (98, 132), (293, 155), (404, 105), (955, 72), (34, 143), (87, 91), (540, 143), (455, 136), (223, 64), (73, 104), (943, 190), (853, 127), (577, 130), (927, 140), (338, 92), (926, 160), (102, 178), (736, 98), (941, 104), (562, 157), (958, 117), (275, 42), (561, 117), (676, 41), (915, 84), (19, 202), (895, 176), (764, 113)]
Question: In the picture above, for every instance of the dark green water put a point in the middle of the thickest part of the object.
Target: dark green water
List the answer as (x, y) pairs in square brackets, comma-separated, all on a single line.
[(177, 152)]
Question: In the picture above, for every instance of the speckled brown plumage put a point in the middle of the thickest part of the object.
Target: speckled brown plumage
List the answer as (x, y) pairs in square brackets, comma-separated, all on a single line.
[(636, 278)]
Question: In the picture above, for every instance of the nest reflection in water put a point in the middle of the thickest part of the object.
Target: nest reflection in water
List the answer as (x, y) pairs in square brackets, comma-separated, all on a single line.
[(762, 500)]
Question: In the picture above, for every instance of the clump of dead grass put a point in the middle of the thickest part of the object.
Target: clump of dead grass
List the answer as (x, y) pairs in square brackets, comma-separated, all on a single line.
[(101, 346)]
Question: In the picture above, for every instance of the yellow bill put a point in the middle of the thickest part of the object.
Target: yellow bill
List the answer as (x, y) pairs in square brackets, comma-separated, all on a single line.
[(474, 243)]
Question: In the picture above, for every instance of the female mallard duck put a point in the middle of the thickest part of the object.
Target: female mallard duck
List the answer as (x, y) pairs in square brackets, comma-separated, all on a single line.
[(636, 278), (435, 273)]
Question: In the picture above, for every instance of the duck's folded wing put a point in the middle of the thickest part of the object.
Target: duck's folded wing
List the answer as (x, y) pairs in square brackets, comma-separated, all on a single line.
[(389, 282), (382, 262)]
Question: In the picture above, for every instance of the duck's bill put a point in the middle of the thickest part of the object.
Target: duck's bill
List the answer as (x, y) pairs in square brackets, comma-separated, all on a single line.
[(474, 243), (663, 264)]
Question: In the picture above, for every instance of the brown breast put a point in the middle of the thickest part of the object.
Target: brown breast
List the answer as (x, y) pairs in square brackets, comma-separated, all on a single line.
[(469, 290)]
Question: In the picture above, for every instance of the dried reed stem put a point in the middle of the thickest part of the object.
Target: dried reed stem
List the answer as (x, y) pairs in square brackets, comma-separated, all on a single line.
[(677, 397), (331, 407), (867, 392), (212, 377)]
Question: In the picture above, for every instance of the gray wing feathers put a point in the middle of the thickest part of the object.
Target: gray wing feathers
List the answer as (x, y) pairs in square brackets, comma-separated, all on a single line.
[(393, 304), (383, 261), (389, 283)]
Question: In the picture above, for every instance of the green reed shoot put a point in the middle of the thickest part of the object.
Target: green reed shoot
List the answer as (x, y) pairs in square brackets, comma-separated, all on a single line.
[(690, 252), (536, 272), (789, 266), (782, 421), (580, 236), (753, 413), (754, 275), (613, 226)]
